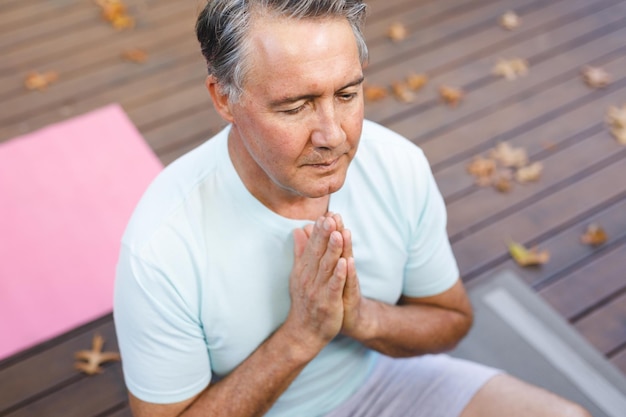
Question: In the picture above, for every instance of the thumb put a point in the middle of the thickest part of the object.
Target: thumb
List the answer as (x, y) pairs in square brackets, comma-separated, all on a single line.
[(300, 239)]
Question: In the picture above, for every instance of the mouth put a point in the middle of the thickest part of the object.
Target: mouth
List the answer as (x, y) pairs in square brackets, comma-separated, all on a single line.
[(324, 165)]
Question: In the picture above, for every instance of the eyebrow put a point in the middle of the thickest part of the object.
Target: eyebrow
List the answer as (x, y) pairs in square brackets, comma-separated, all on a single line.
[(288, 100)]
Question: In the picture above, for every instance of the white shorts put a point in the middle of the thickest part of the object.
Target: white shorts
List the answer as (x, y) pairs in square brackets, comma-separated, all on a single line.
[(423, 386)]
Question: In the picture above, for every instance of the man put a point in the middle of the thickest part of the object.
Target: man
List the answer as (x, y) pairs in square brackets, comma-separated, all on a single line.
[(278, 271)]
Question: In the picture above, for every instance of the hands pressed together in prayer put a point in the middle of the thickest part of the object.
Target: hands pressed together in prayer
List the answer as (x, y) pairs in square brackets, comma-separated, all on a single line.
[(324, 287)]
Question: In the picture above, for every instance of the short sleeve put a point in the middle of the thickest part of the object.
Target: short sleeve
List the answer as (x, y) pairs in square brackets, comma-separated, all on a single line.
[(163, 349), (431, 266)]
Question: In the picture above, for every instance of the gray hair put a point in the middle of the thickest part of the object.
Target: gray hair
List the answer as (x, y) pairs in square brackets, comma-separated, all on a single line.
[(222, 27)]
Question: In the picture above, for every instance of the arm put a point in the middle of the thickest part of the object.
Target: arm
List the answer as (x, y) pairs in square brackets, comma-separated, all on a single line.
[(415, 326), (316, 287)]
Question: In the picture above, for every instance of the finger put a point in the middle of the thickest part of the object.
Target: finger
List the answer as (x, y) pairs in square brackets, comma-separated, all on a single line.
[(338, 220), (300, 240), (320, 234), (352, 289), (308, 229), (347, 244), (337, 281), (331, 256)]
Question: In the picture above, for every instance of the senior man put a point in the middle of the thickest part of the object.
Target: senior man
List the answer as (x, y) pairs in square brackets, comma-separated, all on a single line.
[(297, 263)]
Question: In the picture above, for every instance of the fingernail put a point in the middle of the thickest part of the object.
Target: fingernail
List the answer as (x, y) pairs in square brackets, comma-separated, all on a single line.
[(327, 225)]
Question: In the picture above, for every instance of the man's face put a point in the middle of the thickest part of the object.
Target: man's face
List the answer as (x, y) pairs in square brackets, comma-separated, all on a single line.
[(297, 124)]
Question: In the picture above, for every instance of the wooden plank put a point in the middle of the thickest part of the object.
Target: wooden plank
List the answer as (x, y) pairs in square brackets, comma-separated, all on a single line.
[(434, 117), (430, 32), (567, 253), (36, 374), (562, 25), (164, 26), (90, 396), (481, 250), (605, 328), (619, 360), (27, 12), (589, 286)]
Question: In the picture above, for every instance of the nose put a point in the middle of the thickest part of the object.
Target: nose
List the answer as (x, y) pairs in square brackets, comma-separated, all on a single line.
[(327, 132)]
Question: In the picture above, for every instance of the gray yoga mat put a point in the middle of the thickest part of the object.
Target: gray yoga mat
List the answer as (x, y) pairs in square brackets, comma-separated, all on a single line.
[(517, 331)]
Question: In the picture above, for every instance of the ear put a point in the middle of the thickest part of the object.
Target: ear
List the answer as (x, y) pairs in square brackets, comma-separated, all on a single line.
[(220, 101)]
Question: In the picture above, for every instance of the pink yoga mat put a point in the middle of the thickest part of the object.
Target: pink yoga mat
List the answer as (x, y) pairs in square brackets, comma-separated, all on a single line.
[(66, 194)]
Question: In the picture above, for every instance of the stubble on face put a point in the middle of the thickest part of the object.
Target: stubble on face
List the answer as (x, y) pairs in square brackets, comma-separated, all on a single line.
[(297, 125)]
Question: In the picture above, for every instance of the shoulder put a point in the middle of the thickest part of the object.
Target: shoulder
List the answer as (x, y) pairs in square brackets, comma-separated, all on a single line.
[(174, 189), (389, 155)]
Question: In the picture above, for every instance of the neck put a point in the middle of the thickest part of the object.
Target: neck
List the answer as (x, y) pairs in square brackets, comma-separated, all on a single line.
[(274, 197)]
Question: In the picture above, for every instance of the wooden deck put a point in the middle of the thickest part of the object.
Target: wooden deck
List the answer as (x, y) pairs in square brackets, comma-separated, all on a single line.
[(550, 112)]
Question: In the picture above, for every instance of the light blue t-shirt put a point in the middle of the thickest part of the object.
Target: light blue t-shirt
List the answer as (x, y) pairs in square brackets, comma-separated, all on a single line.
[(203, 274)]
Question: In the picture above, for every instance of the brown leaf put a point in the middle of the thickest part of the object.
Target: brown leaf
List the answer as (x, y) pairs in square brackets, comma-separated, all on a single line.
[(529, 173), (374, 92), (90, 360), (401, 92), (509, 156), (502, 181), (482, 167), (620, 135), (594, 235), (596, 77), (115, 12), (397, 32), (511, 68), (416, 81), (616, 117), (528, 257), (37, 81), (135, 55), (451, 95), (510, 20)]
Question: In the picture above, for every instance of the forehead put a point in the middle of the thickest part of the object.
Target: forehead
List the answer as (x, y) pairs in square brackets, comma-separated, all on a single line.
[(284, 52)]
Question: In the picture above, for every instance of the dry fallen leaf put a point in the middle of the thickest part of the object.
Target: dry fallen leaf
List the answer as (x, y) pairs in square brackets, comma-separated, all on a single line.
[(136, 55), (115, 12), (528, 257), (508, 156), (594, 235), (502, 181), (416, 81), (482, 167), (401, 92), (616, 118), (529, 173), (510, 20), (596, 77), (619, 135), (511, 68), (451, 95), (37, 81), (397, 32), (90, 360), (374, 92)]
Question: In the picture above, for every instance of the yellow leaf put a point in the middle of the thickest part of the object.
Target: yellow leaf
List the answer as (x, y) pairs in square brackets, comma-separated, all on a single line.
[(528, 257)]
